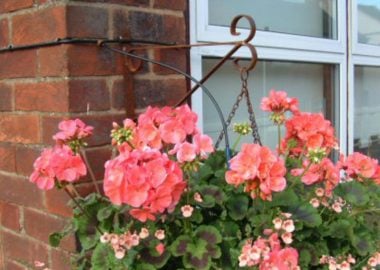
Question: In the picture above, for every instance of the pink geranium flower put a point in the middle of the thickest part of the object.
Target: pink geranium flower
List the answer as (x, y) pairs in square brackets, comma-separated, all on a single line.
[(359, 166), (58, 163), (71, 130), (262, 171), (309, 131), (147, 180), (279, 102)]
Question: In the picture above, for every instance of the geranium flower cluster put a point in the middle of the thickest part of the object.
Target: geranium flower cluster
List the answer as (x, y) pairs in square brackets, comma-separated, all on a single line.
[(324, 198), (325, 172), (259, 169), (284, 226), (147, 180), (340, 263), (279, 103), (72, 130), (306, 132), (360, 167), (142, 175), (373, 262), (120, 243), (61, 163), (268, 254)]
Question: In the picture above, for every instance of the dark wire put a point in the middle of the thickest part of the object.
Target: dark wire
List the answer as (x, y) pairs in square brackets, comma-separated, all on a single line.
[(204, 88)]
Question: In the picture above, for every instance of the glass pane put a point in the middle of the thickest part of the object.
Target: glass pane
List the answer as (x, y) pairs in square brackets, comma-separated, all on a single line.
[(312, 84), (367, 111), (315, 18), (369, 21)]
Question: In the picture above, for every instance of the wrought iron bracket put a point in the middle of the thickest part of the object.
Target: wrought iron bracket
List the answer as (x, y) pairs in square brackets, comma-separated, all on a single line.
[(134, 61)]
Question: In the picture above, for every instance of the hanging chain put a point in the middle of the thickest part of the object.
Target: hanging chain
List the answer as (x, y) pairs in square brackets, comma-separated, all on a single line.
[(244, 92), (230, 116), (255, 130)]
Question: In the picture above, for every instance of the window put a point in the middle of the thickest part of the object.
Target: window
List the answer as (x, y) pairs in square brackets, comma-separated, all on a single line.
[(303, 48)]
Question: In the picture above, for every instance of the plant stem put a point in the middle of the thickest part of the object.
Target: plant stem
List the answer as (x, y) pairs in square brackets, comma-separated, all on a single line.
[(279, 135), (236, 143), (354, 213), (92, 175), (80, 207)]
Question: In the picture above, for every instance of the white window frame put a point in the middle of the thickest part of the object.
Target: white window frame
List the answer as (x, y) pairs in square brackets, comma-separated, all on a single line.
[(293, 48)]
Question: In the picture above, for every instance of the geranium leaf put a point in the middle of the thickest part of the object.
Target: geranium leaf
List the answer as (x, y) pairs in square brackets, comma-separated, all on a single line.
[(285, 198), (307, 214), (353, 192), (194, 262), (153, 258), (180, 246), (209, 233), (104, 213), (55, 239), (237, 207)]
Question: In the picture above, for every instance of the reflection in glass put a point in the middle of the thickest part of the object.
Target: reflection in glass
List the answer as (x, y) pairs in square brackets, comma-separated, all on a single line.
[(369, 21), (313, 84), (367, 111), (315, 18)]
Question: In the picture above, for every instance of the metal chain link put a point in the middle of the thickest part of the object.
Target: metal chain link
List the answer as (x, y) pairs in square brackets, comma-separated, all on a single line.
[(244, 92)]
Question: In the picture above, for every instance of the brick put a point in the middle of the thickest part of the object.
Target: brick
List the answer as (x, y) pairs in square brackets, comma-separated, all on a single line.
[(58, 67), (50, 127), (85, 21), (4, 33), (165, 28), (141, 3), (60, 260), (119, 95), (173, 30), (18, 190), (120, 24), (145, 25), (97, 158), (88, 94), (10, 216), (19, 128), (11, 265), (171, 4), (176, 58), (6, 97), (18, 64), (56, 203), (91, 60), (7, 157), (12, 5), (20, 248), (25, 157), (40, 225), (24, 32), (159, 92), (44, 97)]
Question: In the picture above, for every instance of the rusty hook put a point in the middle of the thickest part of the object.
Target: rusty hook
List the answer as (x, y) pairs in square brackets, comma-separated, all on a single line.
[(252, 25), (252, 62)]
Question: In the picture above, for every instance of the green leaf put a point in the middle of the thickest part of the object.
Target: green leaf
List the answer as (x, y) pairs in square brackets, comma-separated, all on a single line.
[(307, 214), (354, 192), (193, 262), (237, 206), (210, 234), (340, 229), (104, 213), (153, 258), (180, 246), (99, 257), (305, 257), (55, 239), (284, 198), (363, 244), (145, 266), (213, 191)]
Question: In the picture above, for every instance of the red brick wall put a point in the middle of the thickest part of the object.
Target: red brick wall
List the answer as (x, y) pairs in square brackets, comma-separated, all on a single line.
[(40, 87)]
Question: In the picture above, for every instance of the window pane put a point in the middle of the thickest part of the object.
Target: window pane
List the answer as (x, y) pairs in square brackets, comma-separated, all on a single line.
[(367, 111), (312, 84), (369, 21), (316, 18)]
